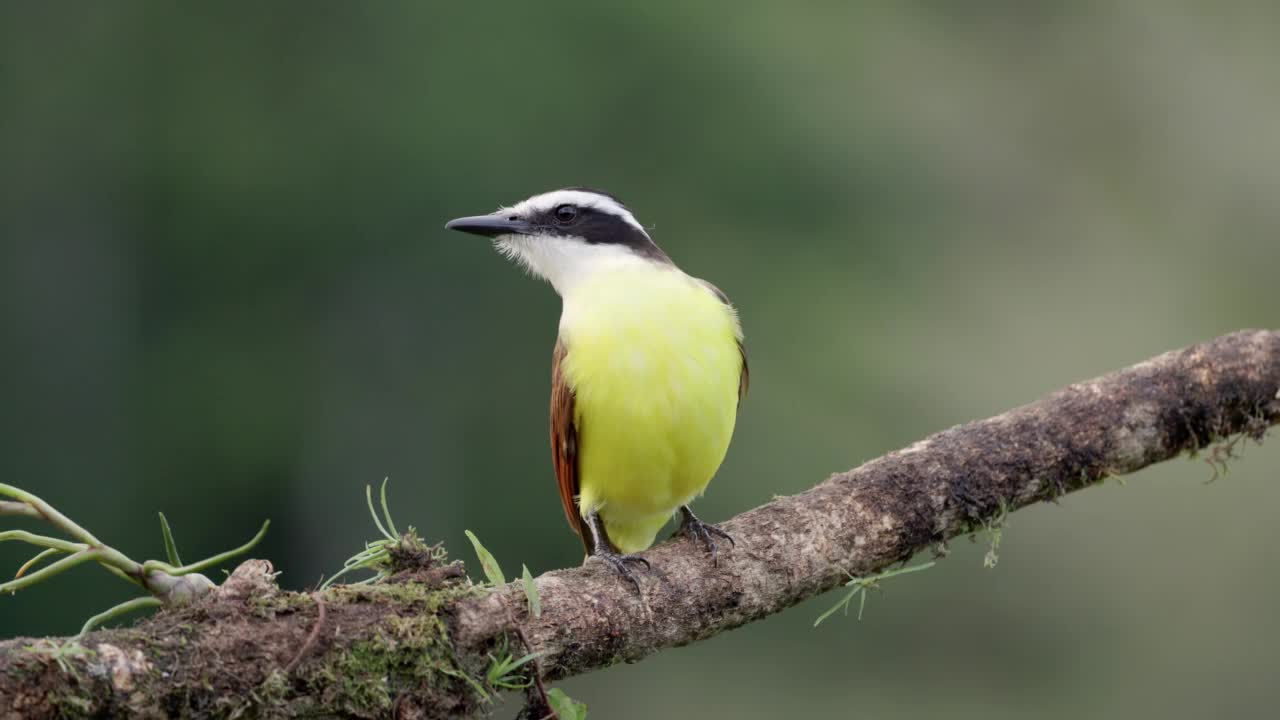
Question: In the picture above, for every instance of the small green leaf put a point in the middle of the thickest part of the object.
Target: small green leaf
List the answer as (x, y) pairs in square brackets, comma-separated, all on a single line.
[(844, 603), (531, 592), (503, 672), (368, 498), (386, 512), (565, 707), (487, 561), (860, 586), (170, 548)]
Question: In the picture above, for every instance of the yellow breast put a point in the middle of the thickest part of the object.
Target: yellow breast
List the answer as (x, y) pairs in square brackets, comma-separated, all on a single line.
[(653, 360)]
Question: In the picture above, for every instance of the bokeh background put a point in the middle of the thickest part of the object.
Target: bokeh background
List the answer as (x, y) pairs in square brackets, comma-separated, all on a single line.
[(226, 294)]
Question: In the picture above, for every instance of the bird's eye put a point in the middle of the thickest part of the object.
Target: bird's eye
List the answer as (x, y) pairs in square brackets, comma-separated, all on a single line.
[(566, 214)]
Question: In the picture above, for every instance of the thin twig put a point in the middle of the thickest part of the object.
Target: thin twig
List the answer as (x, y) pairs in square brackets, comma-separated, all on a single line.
[(537, 666), (537, 670), (311, 640)]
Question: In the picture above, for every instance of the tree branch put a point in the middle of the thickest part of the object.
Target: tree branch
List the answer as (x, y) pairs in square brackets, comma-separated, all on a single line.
[(416, 646)]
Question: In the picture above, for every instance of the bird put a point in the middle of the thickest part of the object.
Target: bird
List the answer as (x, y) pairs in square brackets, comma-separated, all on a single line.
[(648, 370)]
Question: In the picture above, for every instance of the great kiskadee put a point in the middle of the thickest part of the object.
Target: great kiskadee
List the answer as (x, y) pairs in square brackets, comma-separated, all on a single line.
[(646, 375)]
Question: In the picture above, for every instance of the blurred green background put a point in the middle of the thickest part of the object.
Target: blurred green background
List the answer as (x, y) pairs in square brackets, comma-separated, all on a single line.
[(226, 294)]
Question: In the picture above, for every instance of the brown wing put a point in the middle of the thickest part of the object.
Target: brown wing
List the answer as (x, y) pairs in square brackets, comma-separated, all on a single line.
[(564, 445), (744, 378)]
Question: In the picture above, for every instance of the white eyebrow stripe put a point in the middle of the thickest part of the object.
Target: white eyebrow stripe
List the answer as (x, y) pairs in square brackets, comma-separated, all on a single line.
[(546, 201)]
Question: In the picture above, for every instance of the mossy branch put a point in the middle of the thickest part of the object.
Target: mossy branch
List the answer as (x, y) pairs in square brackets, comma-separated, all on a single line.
[(416, 642)]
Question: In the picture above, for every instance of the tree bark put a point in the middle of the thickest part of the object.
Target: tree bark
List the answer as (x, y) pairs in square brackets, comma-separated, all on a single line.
[(417, 646)]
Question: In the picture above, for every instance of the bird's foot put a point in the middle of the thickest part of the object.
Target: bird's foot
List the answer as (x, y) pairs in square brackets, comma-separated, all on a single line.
[(703, 533), (619, 563)]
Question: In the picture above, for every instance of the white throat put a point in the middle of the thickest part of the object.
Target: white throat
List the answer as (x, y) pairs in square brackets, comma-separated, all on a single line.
[(567, 263)]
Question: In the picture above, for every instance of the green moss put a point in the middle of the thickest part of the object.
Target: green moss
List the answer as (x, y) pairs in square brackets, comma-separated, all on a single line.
[(401, 593), (268, 606), (273, 691), (26, 666), (408, 652), (70, 705)]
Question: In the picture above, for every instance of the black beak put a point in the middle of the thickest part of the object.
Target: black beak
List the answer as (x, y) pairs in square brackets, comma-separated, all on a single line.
[(490, 225)]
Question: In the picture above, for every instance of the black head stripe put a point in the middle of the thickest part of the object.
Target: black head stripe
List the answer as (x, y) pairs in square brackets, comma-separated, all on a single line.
[(600, 227)]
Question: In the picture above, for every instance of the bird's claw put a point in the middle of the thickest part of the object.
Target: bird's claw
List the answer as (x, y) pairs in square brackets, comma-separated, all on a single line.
[(619, 563), (703, 533)]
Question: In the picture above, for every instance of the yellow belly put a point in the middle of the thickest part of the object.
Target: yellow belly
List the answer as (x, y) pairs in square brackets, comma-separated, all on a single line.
[(653, 359)]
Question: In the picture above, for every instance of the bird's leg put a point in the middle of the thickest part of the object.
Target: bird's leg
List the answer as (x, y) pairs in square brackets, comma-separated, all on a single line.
[(701, 532), (603, 549)]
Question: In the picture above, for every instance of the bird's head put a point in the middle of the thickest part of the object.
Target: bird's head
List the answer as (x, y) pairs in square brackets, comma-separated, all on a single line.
[(567, 235)]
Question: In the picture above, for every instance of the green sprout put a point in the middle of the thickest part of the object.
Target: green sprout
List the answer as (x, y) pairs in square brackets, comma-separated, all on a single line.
[(61, 653), (503, 669), (502, 673), (169, 583), (565, 707), (377, 555), (531, 592), (859, 587), (170, 547), (460, 675), (488, 562)]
